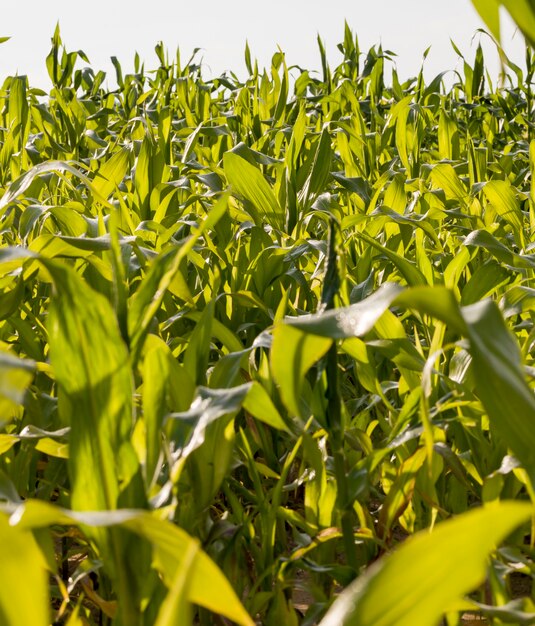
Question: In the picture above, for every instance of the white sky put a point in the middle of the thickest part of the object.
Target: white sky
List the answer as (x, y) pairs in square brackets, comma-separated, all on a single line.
[(103, 28)]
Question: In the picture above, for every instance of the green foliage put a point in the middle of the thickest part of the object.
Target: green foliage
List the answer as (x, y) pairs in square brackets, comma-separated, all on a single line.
[(456, 546), (254, 334), (522, 12)]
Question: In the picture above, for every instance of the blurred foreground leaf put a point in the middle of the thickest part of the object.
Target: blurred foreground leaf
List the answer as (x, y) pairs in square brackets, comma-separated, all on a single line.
[(429, 572)]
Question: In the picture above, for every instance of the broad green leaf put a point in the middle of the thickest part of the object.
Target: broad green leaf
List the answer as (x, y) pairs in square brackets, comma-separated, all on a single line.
[(247, 181), (489, 10), (23, 578), (17, 118), (429, 572), (7, 442), (400, 492), (448, 136), (197, 354), (519, 611), (436, 301), (485, 281), (208, 406), (21, 185), (156, 373), (52, 246), (219, 331), (483, 239), (415, 220), (149, 172), (53, 448), (445, 177), (500, 381), (207, 587), (92, 369), (15, 376), (111, 173), (523, 13), (501, 195), (176, 607), (352, 321), (293, 353), (258, 403)]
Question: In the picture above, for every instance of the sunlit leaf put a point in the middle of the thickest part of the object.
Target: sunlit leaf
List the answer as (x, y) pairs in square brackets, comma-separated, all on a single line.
[(453, 558)]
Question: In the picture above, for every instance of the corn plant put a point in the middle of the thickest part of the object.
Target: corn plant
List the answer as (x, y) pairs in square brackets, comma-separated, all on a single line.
[(266, 345)]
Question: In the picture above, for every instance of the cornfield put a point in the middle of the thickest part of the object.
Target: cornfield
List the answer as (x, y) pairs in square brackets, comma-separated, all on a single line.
[(266, 346)]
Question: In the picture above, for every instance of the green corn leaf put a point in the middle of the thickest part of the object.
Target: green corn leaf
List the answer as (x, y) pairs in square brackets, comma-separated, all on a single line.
[(176, 607), (17, 118), (92, 368), (445, 177), (15, 377), (247, 181), (343, 323), (207, 586), (320, 171), (258, 403), (500, 381), (438, 302), (293, 353), (147, 300), (219, 331), (484, 282), (503, 253), (111, 173), (207, 407), (408, 270), (501, 195), (22, 184), (156, 373), (489, 10), (523, 13), (23, 578), (198, 351), (429, 572)]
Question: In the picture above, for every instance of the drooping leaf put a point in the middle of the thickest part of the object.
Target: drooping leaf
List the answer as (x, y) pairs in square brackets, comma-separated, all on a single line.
[(207, 585), (353, 321)]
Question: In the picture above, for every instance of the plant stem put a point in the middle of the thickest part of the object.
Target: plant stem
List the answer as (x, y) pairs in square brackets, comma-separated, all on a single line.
[(334, 409)]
